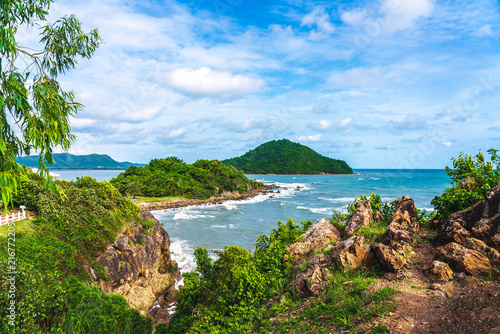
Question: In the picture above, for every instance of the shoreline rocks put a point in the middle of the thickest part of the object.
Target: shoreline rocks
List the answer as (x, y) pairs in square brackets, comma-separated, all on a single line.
[(225, 196)]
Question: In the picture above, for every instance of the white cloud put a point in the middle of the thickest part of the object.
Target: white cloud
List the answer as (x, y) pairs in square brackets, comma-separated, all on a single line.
[(484, 31), (354, 17), (447, 143), (324, 124), (176, 132), (141, 115), (310, 138), (393, 15), (82, 123), (205, 82), (402, 14), (320, 19)]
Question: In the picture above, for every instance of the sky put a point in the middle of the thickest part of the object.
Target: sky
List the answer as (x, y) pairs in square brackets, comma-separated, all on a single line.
[(377, 83)]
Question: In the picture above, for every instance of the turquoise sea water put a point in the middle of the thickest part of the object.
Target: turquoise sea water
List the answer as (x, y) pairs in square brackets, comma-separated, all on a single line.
[(241, 222)]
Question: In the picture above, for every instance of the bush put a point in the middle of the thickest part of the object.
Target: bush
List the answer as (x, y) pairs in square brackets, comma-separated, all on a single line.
[(471, 178), (227, 295)]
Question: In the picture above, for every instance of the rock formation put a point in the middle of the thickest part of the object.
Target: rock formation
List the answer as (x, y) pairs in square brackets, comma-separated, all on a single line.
[(139, 265), (362, 216)]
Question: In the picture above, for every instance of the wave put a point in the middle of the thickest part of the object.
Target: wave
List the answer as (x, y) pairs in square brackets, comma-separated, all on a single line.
[(316, 210), (339, 199), (190, 214), (223, 226)]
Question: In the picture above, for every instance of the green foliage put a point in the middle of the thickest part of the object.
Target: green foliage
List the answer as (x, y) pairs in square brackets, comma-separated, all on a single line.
[(471, 178), (244, 293), (34, 109), (46, 304), (66, 236), (227, 295), (71, 233), (286, 157), (173, 177), (343, 303)]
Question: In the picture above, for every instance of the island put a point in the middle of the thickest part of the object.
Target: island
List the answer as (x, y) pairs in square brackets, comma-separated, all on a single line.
[(286, 157), (73, 161)]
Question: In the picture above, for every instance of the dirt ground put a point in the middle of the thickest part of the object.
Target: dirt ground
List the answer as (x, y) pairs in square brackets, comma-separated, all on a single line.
[(465, 305)]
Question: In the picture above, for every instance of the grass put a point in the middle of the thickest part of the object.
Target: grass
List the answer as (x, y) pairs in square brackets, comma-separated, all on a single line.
[(24, 227), (158, 199), (418, 288), (343, 304), (373, 233)]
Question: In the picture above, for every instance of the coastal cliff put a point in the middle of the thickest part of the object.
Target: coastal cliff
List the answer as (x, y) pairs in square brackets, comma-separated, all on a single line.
[(139, 266)]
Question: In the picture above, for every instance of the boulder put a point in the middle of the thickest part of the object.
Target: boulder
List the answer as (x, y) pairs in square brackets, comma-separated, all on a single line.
[(481, 220), (405, 214), (362, 216), (388, 257), (480, 246), (462, 259), (352, 254), (398, 237), (454, 232), (320, 234), (439, 272), (312, 281)]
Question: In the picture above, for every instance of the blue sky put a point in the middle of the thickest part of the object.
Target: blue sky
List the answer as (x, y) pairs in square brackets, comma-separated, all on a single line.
[(380, 84)]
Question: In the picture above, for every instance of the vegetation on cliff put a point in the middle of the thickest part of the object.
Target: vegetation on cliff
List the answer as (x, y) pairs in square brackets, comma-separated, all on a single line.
[(471, 178), (286, 157), (173, 177), (51, 252)]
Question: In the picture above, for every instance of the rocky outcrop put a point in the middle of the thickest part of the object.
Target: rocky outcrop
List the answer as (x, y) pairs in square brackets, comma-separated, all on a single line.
[(462, 259), (352, 254), (405, 214), (480, 221), (389, 258), (397, 237), (139, 265), (362, 216), (319, 235)]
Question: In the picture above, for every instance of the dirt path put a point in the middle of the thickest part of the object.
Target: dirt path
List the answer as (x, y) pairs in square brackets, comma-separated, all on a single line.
[(463, 305)]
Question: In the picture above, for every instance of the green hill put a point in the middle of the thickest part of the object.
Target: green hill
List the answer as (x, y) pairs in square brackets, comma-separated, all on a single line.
[(71, 161), (286, 157)]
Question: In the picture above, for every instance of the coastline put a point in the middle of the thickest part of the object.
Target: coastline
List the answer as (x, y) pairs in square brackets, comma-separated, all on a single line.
[(185, 202)]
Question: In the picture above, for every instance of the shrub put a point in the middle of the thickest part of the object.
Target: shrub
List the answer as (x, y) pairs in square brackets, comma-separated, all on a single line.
[(471, 178)]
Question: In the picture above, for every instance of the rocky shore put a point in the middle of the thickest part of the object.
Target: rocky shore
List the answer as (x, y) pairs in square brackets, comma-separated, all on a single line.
[(225, 196)]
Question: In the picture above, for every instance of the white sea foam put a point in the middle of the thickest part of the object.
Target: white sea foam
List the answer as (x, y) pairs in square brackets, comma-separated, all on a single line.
[(340, 199), (183, 254), (218, 226), (188, 213), (316, 210)]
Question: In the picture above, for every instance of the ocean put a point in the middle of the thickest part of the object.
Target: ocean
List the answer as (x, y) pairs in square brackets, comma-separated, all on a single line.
[(301, 197)]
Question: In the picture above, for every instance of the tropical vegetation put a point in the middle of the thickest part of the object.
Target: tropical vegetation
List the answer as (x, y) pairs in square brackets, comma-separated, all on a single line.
[(173, 177), (286, 157), (471, 178), (34, 108), (51, 252)]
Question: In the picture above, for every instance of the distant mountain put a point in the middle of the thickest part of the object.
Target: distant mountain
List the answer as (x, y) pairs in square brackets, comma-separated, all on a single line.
[(71, 161), (286, 157)]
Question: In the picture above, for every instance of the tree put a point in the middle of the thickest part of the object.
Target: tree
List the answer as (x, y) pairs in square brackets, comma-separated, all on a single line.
[(471, 178), (34, 109)]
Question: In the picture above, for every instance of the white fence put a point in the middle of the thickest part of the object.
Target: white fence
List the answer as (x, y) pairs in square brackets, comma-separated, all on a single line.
[(13, 217)]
